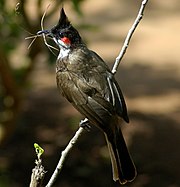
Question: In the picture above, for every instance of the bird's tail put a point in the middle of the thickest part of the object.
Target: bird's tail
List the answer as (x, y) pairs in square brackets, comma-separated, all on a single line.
[(122, 165)]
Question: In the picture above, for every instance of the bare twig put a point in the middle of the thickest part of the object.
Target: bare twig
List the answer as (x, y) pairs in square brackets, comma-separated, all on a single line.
[(38, 172), (129, 35), (64, 154), (34, 37), (37, 175), (42, 28)]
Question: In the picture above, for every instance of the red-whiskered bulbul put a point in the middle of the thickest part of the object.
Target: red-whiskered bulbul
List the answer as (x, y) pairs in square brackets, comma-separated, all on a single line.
[(85, 80)]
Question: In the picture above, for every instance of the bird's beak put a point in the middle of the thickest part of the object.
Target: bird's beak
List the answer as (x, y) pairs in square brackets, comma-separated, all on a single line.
[(46, 32)]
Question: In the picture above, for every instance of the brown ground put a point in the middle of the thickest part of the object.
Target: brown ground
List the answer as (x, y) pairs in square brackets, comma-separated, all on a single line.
[(149, 78)]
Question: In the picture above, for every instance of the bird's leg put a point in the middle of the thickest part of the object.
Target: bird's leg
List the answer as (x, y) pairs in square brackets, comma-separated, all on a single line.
[(85, 124)]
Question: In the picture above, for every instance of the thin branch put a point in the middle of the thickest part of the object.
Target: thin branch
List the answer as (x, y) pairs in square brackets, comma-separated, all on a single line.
[(37, 175), (42, 28), (64, 155), (129, 35), (38, 172)]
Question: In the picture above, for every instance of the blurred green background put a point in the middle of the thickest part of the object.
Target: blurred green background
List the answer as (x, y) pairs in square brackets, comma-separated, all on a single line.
[(31, 109)]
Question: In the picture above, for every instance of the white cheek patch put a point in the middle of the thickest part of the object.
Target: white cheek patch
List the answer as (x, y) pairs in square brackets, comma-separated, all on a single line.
[(64, 49), (61, 43)]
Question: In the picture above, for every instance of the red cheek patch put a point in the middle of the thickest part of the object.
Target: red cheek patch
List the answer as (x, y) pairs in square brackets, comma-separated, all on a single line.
[(66, 40)]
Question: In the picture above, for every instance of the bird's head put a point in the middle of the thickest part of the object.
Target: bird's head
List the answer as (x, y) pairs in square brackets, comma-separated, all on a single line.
[(64, 34)]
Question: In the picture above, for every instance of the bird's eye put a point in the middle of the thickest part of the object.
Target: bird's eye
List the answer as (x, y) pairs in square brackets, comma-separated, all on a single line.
[(61, 35)]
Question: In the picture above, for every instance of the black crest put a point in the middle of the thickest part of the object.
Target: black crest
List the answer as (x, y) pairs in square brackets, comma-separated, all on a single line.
[(63, 20), (64, 28), (63, 23)]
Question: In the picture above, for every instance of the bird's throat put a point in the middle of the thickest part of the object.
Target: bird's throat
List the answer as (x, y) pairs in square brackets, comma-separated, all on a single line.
[(64, 52)]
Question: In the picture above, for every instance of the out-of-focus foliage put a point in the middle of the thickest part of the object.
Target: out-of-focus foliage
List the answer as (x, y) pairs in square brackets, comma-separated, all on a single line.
[(16, 61)]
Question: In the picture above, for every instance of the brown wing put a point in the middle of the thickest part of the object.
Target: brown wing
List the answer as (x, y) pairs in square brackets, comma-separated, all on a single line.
[(94, 92)]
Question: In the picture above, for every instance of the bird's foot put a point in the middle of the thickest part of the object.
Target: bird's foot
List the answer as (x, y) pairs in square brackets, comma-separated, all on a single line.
[(85, 124)]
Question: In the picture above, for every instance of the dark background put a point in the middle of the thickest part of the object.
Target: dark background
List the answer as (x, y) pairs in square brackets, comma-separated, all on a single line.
[(31, 109)]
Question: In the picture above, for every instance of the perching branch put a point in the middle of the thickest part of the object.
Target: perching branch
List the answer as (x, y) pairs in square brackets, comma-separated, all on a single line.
[(64, 155), (79, 132), (129, 35)]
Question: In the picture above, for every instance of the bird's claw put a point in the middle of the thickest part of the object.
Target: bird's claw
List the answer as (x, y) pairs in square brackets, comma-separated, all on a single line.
[(85, 124)]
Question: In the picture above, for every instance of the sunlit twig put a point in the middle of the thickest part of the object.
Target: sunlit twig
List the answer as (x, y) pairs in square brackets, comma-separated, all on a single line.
[(129, 35), (30, 37), (34, 37), (43, 35)]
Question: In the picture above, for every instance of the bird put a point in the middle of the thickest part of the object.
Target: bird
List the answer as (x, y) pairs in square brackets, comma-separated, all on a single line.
[(87, 82)]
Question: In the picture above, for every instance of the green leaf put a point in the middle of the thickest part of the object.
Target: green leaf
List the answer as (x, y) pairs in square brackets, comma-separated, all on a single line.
[(39, 150)]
